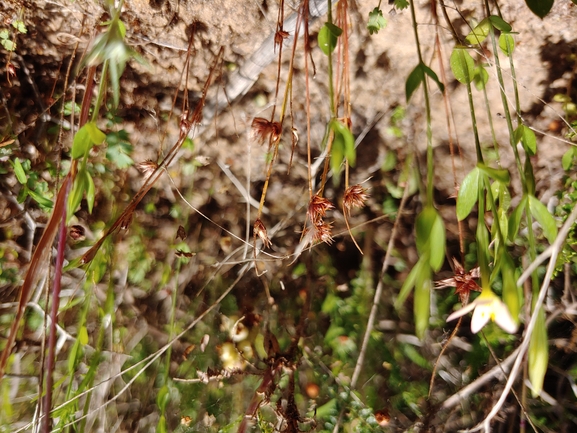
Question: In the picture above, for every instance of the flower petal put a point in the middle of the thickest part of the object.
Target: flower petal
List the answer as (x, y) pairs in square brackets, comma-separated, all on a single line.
[(481, 316), (504, 319), (462, 311)]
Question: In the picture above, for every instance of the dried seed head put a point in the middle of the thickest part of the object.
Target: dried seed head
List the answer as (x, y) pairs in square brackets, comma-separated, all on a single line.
[(147, 168), (184, 123), (279, 36), (318, 208), (263, 128), (260, 231), (322, 232), (355, 196), (463, 282)]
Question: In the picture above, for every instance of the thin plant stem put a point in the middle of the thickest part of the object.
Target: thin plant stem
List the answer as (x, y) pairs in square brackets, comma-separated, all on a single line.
[(555, 249), (47, 401), (379, 291)]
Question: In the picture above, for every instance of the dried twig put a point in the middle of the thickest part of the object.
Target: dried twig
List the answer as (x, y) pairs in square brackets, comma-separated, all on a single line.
[(552, 252)]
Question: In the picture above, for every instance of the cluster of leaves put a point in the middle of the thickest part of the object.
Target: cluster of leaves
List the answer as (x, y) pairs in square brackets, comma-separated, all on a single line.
[(7, 39)]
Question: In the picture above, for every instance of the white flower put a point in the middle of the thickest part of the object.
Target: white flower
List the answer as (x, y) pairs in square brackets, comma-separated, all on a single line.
[(487, 306)]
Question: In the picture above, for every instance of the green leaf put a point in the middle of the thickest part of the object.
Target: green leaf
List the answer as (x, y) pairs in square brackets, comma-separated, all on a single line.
[(348, 140), (422, 302), (500, 174), (414, 81), (90, 192), (328, 36), (421, 266), (511, 293), (567, 160), (376, 21), (8, 44), (545, 219), (540, 7), (44, 202), (330, 408), (468, 194), (462, 65), (337, 155), (162, 398), (507, 43), (500, 24), (83, 335), (431, 236), (19, 171), (479, 33), (480, 77), (4, 34), (529, 140), (161, 427), (515, 218), (432, 75), (81, 144), (78, 189), (538, 353), (85, 138), (401, 4), (20, 26), (95, 134)]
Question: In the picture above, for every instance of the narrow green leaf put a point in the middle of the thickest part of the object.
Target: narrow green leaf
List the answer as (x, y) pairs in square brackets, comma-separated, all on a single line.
[(83, 335), (90, 192), (468, 194), (431, 236), (77, 193), (19, 171), (515, 219), (41, 200), (161, 427), (529, 176), (500, 174), (414, 81), (482, 237), (72, 356), (567, 160), (507, 43), (420, 266), (422, 302), (348, 140), (545, 219), (462, 65), (337, 155), (115, 73), (511, 293), (518, 133), (500, 24), (479, 33), (162, 398), (538, 353), (529, 140), (433, 76), (82, 143), (540, 7), (438, 243)]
